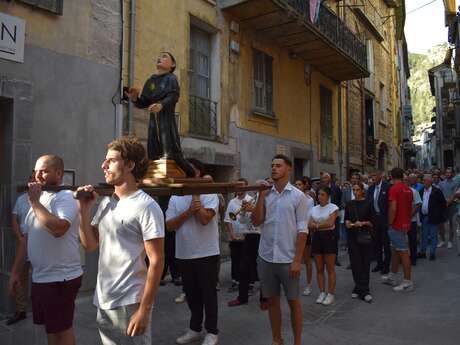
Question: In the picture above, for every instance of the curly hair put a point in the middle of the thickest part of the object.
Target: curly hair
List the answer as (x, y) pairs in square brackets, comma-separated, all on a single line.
[(132, 150)]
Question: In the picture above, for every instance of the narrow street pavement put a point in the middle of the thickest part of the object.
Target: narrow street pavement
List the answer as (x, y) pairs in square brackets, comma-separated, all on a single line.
[(428, 316)]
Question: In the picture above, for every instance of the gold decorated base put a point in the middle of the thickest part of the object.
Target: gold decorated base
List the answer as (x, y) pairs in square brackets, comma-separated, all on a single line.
[(162, 169)]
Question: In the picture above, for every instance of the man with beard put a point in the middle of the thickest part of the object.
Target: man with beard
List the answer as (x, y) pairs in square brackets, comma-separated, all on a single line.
[(281, 213), (51, 239), (127, 227)]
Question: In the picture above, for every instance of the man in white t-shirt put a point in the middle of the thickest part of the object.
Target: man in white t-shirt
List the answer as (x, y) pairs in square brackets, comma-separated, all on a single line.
[(281, 212), (127, 227), (51, 239), (194, 219)]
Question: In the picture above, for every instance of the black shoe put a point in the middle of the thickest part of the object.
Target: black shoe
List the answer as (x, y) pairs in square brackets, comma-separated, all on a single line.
[(432, 257), (414, 263), (16, 318), (337, 263), (421, 255), (162, 282), (377, 268)]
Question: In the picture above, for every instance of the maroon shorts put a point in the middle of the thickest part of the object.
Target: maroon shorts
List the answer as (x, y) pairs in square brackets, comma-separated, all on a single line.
[(53, 304)]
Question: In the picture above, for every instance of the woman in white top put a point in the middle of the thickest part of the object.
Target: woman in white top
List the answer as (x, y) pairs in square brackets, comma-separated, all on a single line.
[(324, 243), (303, 184)]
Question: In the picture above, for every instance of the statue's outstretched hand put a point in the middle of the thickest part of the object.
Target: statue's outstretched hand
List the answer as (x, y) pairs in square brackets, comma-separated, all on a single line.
[(155, 107), (132, 93)]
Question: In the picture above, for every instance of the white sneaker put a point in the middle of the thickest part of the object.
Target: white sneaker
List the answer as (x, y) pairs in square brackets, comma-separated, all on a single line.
[(210, 339), (449, 245), (307, 291), (441, 244), (354, 295), (321, 298), (189, 336), (368, 298), (389, 279), (329, 299), (180, 299), (405, 286)]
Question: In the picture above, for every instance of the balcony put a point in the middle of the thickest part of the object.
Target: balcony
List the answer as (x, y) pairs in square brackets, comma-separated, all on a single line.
[(369, 16), (203, 118), (327, 44)]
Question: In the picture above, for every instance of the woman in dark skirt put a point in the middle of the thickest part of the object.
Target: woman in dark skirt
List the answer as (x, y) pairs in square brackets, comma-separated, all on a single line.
[(359, 226)]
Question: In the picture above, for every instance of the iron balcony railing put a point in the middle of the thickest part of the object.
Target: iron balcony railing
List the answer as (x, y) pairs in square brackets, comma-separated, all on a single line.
[(331, 26), (203, 117)]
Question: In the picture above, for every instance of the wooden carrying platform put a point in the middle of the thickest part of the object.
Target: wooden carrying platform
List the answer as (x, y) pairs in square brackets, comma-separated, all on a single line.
[(165, 187)]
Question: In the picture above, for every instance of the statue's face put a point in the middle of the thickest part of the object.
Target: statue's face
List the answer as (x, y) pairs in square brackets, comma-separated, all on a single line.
[(164, 62)]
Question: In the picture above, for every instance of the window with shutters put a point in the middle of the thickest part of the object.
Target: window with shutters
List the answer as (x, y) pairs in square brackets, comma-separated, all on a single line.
[(203, 111), (326, 125), (262, 82), (55, 6)]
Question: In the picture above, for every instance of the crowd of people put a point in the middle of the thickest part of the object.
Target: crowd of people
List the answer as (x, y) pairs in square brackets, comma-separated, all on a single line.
[(392, 220)]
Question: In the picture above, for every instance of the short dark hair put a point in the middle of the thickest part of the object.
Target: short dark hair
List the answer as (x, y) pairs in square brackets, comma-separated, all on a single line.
[(397, 173), (325, 189), (198, 165), (242, 179), (285, 158), (173, 59), (132, 150), (54, 161)]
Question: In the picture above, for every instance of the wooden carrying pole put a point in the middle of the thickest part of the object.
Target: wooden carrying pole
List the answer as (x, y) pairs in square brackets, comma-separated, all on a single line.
[(188, 188)]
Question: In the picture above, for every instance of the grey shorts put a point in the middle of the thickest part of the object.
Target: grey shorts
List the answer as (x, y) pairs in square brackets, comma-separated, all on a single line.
[(113, 323), (272, 276)]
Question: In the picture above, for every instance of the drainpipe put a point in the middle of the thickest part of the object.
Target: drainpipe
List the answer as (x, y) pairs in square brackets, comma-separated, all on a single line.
[(132, 46), (340, 131), (363, 123), (118, 129)]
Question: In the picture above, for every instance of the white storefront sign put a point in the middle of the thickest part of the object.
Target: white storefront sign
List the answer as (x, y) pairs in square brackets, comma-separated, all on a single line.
[(12, 36)]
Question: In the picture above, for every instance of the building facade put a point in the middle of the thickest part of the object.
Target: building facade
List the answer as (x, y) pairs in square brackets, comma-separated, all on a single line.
[(58, 80)]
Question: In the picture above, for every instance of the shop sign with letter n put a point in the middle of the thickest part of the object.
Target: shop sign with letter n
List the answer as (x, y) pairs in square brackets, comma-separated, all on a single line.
[(12, 36)]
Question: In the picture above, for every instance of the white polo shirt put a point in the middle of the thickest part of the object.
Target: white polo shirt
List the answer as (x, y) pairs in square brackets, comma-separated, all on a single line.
[(54, 259), (194, 240), (123, 227), (286, 215)]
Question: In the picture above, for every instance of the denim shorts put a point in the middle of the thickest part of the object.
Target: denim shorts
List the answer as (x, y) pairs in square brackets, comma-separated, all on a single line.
[(398, 239)]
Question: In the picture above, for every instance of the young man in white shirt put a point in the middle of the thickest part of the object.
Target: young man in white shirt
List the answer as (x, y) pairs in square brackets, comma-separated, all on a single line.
[(127, 227), (281, 212), (194, 219), (51, 239)]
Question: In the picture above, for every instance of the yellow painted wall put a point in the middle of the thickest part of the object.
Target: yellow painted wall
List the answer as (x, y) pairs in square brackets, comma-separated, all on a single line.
[(164, 25), (296, 104)]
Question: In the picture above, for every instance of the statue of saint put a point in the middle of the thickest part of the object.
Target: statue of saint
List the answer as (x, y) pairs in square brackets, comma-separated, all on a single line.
[(160, 95)]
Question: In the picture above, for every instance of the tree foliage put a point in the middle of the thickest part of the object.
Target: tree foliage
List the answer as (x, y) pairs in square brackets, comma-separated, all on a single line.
[(421, 98)]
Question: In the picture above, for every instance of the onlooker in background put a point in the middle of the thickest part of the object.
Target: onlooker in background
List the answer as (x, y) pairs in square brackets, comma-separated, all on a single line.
[(378, 196), (414, 182), (20, 210), (399, 217), (436, 180), (448, 188), (335, 197), (412, 234), (365, 180), (236, 235), (358, 214), (433, 213), (322, 223)]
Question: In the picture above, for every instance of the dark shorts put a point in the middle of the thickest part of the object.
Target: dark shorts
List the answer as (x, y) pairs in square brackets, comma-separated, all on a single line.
[(53, 304), (324, 242), (308, 243)]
